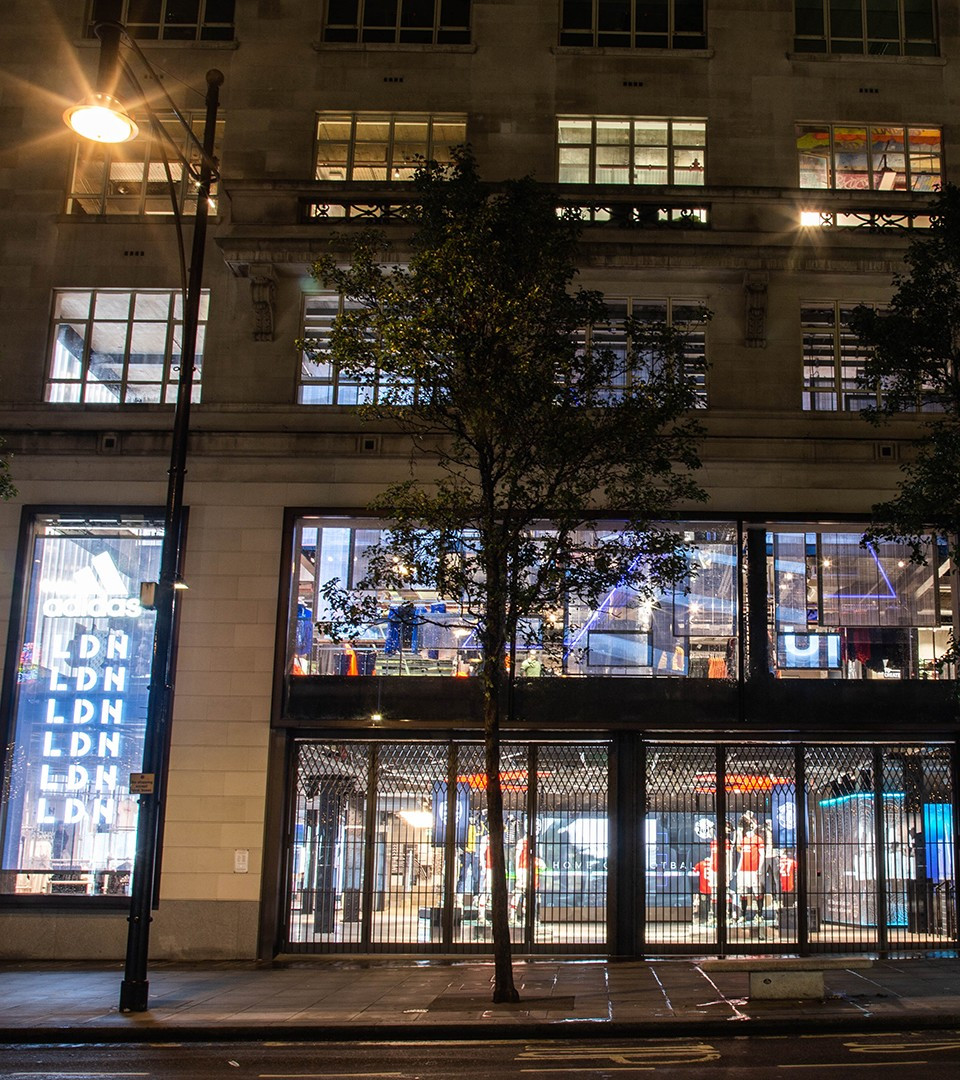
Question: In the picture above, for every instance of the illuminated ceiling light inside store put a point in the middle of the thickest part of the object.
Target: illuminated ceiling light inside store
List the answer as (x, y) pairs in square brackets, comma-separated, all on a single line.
[(826, 564), (417, 819), (180, 584), (101, 118)]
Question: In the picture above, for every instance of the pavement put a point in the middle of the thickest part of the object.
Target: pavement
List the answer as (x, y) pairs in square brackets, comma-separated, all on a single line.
[(337, 999)]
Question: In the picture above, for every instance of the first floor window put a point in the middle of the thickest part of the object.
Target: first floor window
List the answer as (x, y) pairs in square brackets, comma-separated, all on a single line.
[(641, 24), (683, 314), (79, 692), (875, 27), (832, 360), (120, 346), (875, 157), (136, 177), (321, 381), (383, 146), (631, 150), (168, 20), (425, 22)]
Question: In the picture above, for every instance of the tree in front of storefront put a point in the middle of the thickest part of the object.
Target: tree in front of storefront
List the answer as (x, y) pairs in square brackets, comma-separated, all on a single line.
[(525, 437), (912, 362), (7, 490)]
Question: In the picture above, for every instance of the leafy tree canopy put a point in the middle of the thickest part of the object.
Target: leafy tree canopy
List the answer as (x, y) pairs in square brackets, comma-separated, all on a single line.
[(7, 489), (913, 358)]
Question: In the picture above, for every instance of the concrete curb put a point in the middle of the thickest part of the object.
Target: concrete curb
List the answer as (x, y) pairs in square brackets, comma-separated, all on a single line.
[(140, 1032)]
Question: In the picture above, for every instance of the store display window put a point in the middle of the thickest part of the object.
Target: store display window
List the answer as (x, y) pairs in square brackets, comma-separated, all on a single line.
[(689, 630), (849, 609), (76, 696)]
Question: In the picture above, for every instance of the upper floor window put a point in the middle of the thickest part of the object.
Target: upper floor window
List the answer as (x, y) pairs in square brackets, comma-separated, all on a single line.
[(832, 360), (373, 146), (683, 314), (120, 347), (876, 27), (168, 20), (321, 381), (425, 22), (622, 150), (641, 24), (878, 157), (131, 178)]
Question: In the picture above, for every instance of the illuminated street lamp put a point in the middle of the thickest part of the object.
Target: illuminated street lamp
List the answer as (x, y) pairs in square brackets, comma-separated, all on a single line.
[(102, 118)]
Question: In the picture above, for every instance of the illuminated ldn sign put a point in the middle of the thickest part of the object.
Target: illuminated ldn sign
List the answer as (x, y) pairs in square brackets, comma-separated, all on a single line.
[(69, 819)]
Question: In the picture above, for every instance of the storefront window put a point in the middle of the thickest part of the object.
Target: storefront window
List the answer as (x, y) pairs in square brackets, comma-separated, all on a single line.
[(78, 706), (689, 630), (849, 610), (351, 888)]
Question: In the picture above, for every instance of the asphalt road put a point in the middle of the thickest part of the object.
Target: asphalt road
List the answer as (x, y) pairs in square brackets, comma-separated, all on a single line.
[(924, 1055)]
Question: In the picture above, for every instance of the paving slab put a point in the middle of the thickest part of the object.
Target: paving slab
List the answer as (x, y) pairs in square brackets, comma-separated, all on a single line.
[(398, 998)]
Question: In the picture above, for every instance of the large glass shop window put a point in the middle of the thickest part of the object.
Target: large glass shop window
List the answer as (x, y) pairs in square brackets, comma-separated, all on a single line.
[(845, 609), (689, 630), (78, 707)]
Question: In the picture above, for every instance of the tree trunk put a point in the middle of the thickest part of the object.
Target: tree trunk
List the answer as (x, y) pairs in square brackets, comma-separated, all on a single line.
[(493, 681)]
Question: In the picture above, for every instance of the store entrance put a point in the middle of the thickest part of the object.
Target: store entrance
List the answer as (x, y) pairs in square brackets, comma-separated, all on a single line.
[(389, 850), (839, 848)]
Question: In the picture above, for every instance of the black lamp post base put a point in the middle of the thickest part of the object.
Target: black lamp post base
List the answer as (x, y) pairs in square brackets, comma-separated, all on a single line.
[(134, 995)]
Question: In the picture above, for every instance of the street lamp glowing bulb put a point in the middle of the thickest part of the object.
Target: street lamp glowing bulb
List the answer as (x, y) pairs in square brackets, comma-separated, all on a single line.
[(101, 118)]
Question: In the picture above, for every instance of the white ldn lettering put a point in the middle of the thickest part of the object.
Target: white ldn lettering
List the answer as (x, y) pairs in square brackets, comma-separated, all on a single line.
[(47, 782), (44, 816), (74, 812), (83, 711), (108, 745), (104, 810), (49, 750), (115, 679), (80, 743), (56, 683), (89, 646), (52, 717), (118, 644), (111, 712), (77, 778), (106, 778), (86, 678)]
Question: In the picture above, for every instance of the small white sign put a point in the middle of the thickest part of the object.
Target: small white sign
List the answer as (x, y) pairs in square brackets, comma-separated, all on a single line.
[(241, 861), (141, 783)]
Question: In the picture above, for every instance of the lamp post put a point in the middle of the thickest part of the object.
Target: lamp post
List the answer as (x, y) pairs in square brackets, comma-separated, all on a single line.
[(102, 118)]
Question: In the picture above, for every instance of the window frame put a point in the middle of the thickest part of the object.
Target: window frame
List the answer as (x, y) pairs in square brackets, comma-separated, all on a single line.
[(389, 164), (22, 667), (203, 30), (172, 349), (843, 391), (820, 39), (324, 322), (671, 147), (362, 31), (146, 171), (598, 36), (826, 157)]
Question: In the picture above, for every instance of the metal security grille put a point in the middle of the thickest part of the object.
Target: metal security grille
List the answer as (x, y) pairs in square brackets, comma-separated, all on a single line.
[(390, 847), (408, 855), (741, 848), (570, 851), (760, 809), (919, 879), (682, 863), (326, 857)]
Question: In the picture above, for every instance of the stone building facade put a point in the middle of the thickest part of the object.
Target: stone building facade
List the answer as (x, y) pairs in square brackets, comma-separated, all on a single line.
[(761, 160)]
